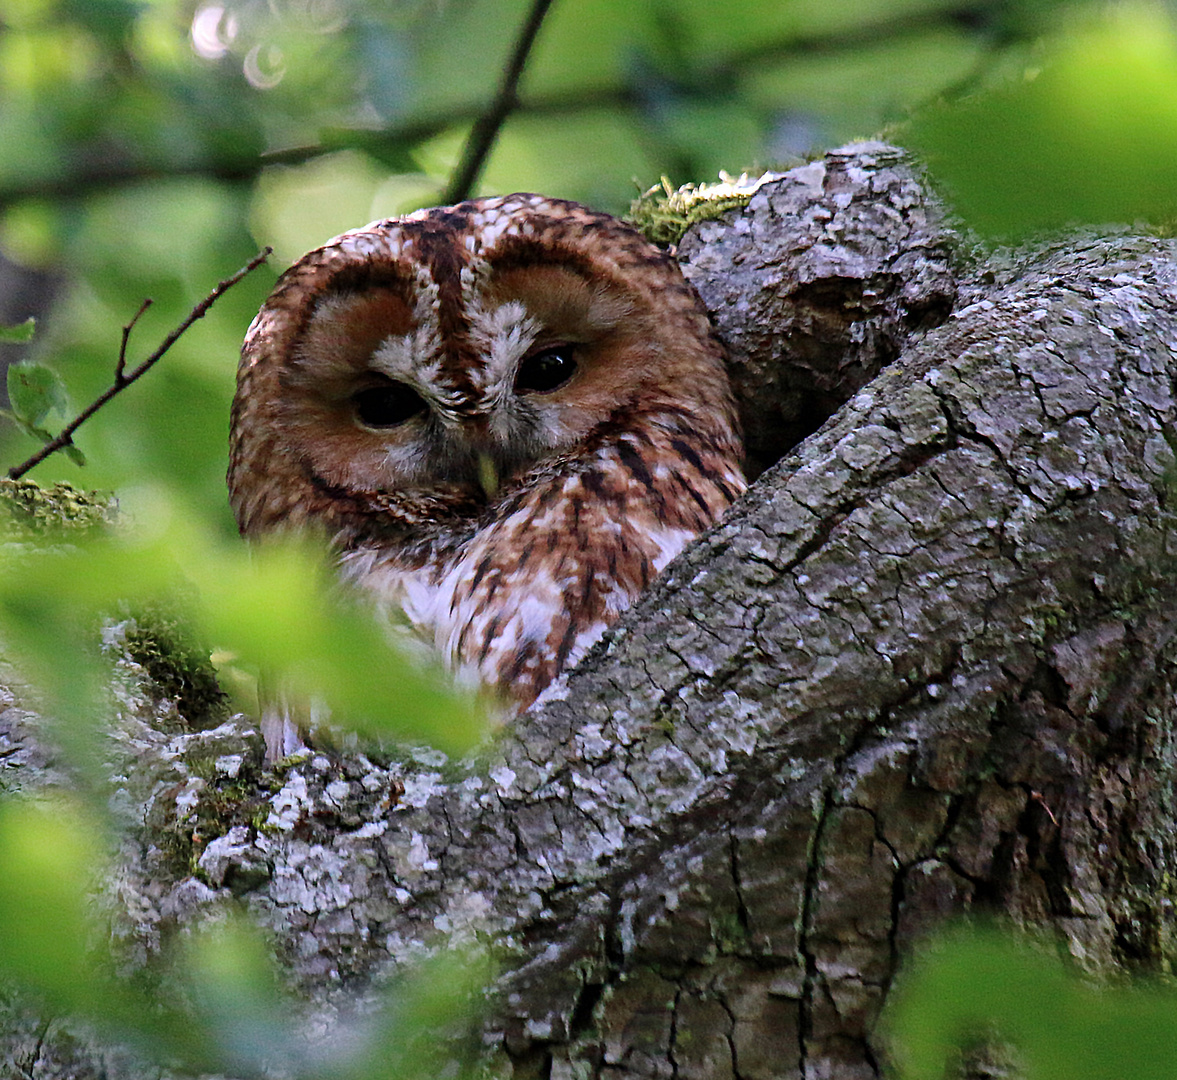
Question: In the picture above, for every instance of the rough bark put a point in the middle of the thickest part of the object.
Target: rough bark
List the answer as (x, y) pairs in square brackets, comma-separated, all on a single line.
[(826, 278), (926, 666)]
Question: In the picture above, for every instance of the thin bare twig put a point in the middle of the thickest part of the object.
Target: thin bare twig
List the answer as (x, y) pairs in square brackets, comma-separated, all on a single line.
[(486, 127), (121, 366), (121, 379)]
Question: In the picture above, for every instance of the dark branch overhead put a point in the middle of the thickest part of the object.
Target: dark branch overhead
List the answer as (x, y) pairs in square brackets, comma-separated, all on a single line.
[(506, 100), (90, 170)]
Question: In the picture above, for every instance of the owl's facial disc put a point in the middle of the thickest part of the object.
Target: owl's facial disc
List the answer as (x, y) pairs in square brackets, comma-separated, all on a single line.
[(395, 387)]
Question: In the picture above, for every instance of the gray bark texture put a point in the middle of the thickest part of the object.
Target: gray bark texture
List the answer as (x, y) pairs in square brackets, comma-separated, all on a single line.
[(925, 667)]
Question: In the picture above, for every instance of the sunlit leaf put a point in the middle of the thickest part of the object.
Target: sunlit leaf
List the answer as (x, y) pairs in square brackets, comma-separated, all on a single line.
[(20, 333), (34, 391), (1090, 137)]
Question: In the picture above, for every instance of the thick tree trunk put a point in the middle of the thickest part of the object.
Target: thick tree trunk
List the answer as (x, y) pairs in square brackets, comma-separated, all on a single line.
[(925, 667)]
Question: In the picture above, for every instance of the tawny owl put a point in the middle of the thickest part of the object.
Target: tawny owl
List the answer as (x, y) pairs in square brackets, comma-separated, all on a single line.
[(508, 416)]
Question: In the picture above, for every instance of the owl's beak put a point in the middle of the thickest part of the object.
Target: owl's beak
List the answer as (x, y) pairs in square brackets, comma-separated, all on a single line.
[(488, 475)]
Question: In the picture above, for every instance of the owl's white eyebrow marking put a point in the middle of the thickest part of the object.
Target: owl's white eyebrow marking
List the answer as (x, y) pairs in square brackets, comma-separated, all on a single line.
[(407, 357), (417, 359), (503, 334)]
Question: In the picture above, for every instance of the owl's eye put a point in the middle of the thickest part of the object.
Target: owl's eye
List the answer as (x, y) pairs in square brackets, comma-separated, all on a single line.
[(546, 370), (388, 405)]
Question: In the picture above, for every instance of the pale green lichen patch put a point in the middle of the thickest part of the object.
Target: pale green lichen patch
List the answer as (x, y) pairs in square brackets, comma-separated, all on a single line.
[(663, 213), (29, 511)]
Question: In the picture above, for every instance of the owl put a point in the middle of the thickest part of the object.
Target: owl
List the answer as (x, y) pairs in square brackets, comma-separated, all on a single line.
[(507, 416)]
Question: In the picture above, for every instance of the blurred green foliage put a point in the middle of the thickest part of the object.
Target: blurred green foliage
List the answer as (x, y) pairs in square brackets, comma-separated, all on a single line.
[(1086, 134), (232, 1014), (977, 987), (152, 146), (19, 334), (67, 564), (276, 610)]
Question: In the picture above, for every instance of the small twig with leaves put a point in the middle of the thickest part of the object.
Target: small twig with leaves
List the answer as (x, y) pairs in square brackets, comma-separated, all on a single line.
[(123, 378), (486, 127)]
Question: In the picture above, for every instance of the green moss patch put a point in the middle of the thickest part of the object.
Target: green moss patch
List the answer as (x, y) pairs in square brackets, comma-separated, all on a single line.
[(178, 666), (665, 212)]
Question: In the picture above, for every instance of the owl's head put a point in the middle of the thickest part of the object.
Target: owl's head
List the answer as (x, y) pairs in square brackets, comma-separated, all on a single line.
[(422, 368)]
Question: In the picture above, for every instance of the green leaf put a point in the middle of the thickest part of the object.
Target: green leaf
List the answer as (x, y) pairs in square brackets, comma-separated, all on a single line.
[(30, 430), (1089, 137), (422, 1026), (47, 851), (277, 610), (19, 334), (34, 390), (229, 974), (973, 987), (281, 612)]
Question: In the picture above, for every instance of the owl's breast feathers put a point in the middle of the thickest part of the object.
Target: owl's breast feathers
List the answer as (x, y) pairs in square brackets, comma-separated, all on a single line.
[(526, 593)]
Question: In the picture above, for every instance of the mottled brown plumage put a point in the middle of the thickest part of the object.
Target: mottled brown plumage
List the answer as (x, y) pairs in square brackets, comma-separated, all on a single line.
[(507, 416)]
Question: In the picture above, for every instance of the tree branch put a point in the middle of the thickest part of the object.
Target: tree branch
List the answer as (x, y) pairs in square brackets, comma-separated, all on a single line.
[(486, 127), (121, 379), (121, 367), (102, 174)]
